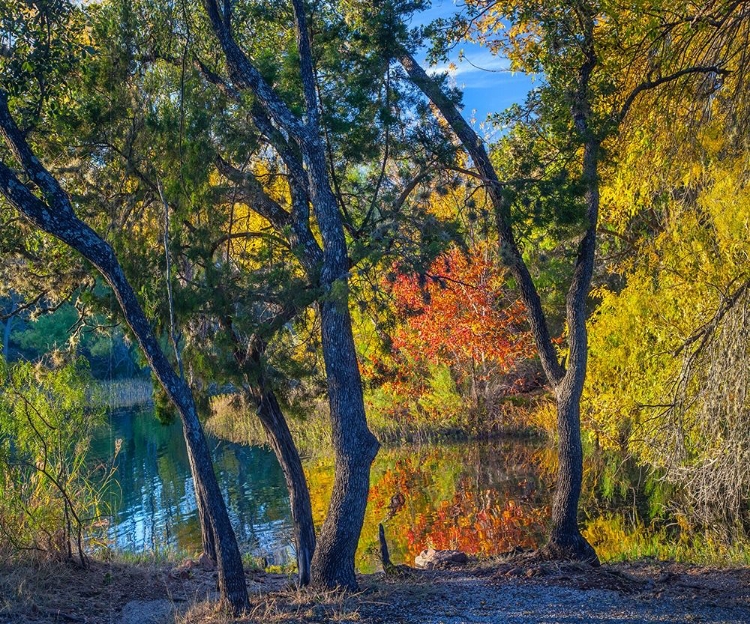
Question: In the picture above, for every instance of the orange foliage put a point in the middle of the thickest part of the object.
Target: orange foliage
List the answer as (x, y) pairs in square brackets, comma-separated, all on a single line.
[(477, 520), (477, 524), (463, 314)]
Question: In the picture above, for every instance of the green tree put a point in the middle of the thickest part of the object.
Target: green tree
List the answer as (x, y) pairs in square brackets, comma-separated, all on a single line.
[(52, 211)]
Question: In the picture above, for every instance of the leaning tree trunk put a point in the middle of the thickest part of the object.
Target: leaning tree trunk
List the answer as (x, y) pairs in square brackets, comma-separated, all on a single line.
[(56, 216), (566, 540), (207, 535), (273, 421), (355, 447), (249, 360)]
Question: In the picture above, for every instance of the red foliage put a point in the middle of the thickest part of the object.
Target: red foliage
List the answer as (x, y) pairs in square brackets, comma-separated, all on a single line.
[(463, 316), (475, 520)]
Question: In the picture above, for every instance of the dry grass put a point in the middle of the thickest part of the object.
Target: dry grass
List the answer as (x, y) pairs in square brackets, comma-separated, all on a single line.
[(121, 393), (42, 591), (233, 418), (49, 593), (286, 606)]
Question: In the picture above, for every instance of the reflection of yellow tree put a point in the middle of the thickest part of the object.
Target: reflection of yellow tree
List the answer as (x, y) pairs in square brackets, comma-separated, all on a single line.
[(481, 500)]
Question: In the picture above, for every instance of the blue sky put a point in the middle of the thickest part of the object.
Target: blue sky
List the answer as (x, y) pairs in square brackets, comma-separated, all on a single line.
[(484, 78)]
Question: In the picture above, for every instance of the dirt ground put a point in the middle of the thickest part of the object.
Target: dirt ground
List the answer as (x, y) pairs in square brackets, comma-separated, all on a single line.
[(516, 591)]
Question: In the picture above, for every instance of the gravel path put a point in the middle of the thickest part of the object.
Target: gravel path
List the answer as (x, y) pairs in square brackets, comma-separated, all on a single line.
[(467, 600)]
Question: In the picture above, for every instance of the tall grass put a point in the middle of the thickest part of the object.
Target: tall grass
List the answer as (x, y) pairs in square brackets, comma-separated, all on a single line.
[(120, 393), (233, 418)]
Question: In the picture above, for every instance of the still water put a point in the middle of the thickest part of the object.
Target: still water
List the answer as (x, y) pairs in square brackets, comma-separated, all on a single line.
[(481, 498)]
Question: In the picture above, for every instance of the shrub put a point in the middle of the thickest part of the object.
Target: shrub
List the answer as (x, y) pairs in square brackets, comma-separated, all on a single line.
[(51, 494)]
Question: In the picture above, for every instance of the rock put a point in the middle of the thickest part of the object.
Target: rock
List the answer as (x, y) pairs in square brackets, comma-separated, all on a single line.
[(185, 571), (205, 563), (147, 612), (182, 572), (431, 558)]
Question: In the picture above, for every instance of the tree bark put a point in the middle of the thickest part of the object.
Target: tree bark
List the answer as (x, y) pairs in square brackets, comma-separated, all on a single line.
[(273, 421), (249, 360), (56, 216), (566, 540), (207, 535), (355, 448)]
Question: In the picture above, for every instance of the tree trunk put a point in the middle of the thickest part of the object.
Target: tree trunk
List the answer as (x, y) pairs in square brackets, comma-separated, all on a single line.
[(249, 361), (215, 517), (355, 447), (56, 216), (207, 535), (283, 445), (566, 541)]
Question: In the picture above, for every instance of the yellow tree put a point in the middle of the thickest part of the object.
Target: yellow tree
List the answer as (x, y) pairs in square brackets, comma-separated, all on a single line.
[(596, 60)]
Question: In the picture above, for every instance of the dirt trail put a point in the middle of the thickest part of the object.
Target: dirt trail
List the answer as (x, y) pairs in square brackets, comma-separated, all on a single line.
[(503, 592)]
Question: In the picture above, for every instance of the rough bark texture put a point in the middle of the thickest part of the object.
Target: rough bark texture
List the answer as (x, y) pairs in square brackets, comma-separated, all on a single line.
[(566, 540), (55, 216), (281, 440), (355, 448), (354, 445)]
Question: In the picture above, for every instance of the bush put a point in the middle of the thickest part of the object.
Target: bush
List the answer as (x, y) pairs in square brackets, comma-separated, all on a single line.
[(51, 494)]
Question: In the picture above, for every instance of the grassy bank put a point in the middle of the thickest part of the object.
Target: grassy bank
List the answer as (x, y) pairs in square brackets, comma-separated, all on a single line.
[(233, 419)]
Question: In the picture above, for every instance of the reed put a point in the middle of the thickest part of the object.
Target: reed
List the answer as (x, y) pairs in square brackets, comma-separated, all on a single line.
[(120, 393)]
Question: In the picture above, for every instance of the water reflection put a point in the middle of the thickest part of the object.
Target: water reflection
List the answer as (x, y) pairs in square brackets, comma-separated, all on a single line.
[(153, 501), (480, 498)]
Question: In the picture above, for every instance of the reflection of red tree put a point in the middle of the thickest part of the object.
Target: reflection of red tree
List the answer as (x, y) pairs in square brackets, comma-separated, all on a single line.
[(481, 522), (480, 525)]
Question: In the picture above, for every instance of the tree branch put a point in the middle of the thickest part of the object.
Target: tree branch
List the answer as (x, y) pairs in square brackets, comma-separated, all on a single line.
[(652, 84), (509, 250)]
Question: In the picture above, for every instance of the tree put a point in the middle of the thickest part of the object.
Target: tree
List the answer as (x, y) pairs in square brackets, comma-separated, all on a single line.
[(578, 48), (464, 316), (668, 346), (355, 446), (567, 381), (53, 213)]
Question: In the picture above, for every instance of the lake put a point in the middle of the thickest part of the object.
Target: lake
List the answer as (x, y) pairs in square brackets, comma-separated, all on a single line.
[(483, 498)]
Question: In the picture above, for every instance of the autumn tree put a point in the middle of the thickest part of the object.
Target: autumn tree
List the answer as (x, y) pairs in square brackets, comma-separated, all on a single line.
[(583, 103), (669, 349), (463, 315)]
